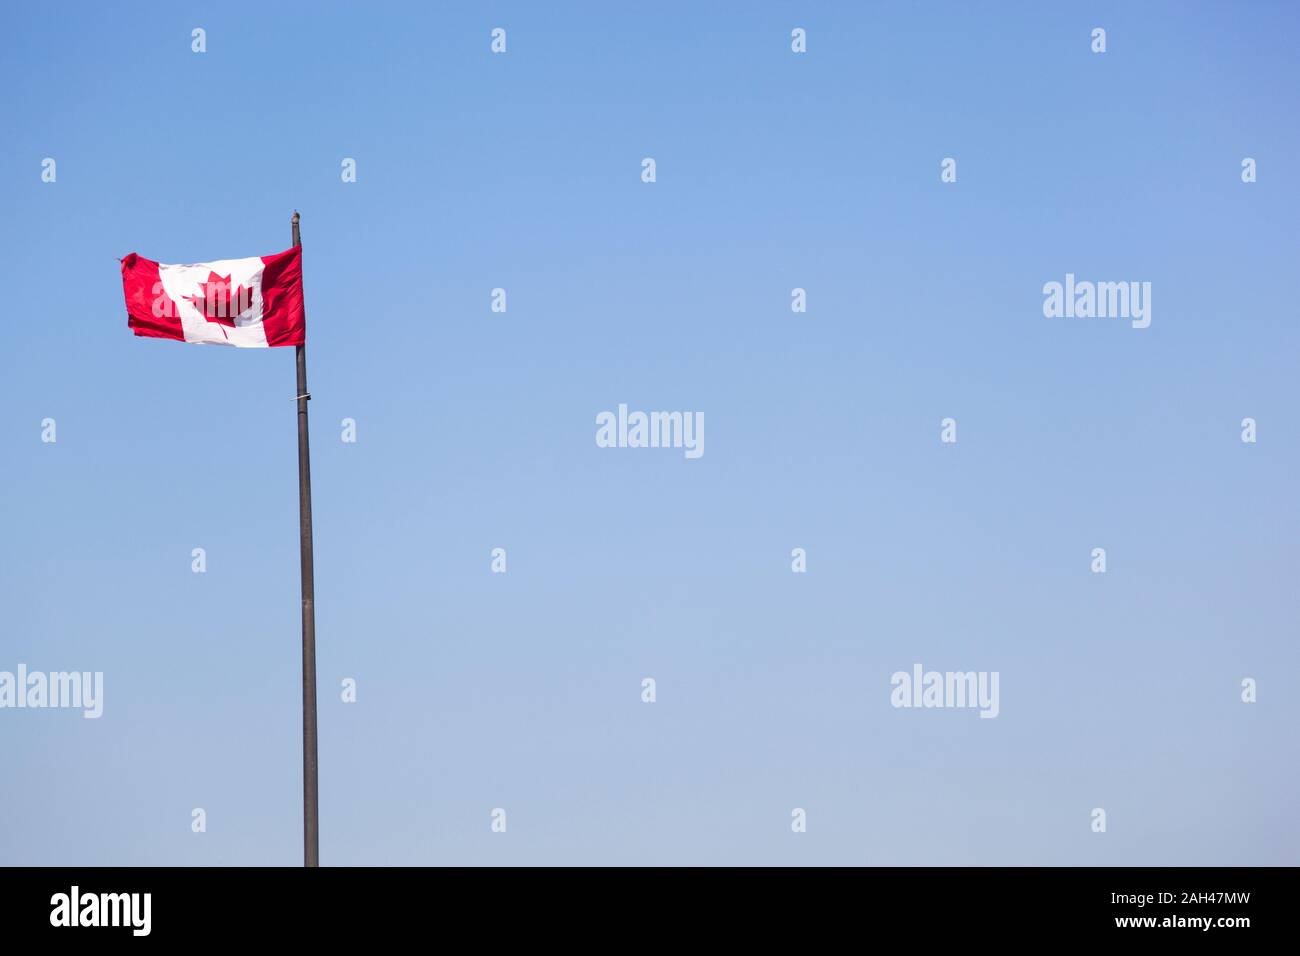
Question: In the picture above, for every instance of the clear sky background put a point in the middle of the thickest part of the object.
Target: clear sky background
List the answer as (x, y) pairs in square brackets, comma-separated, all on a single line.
[(475, 430)]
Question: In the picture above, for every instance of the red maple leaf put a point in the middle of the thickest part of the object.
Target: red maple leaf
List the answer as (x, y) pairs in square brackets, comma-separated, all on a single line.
[(220, 303)]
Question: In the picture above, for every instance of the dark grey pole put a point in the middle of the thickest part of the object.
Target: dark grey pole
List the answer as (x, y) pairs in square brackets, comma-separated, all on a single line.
[(310, 806)]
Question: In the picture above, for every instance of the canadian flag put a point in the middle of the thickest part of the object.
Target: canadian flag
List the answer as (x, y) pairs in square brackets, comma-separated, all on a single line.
[(248, 303)]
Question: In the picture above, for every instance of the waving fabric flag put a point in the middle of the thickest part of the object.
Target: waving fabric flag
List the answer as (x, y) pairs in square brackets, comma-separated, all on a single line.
[(247, 303)]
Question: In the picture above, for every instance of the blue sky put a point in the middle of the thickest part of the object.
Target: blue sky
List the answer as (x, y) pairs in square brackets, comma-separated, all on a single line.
[(476, 430)]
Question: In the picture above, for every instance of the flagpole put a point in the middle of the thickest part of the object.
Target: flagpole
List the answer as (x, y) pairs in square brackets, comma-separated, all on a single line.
[(310, 807)]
